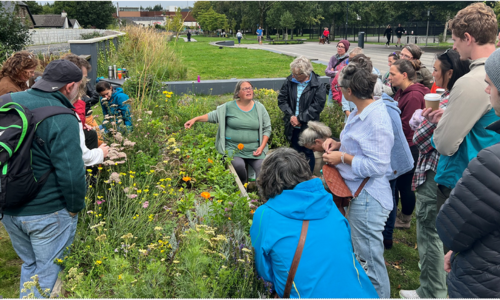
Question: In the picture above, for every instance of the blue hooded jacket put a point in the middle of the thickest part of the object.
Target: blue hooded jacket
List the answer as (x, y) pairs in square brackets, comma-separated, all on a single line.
[(118, 97), (401, 158), (328, 267)]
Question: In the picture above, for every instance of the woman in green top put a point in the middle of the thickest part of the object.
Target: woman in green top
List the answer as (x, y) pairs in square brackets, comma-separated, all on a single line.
[(244, 129)]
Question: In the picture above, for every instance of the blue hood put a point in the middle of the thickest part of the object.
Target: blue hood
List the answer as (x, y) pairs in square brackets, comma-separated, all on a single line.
[(307, 201), (390, 103), (116, 91)]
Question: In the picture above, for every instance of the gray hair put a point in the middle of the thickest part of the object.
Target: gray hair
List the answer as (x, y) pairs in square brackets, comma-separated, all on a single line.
[(356, 51), (303, 64), (281, 170), (378, 89), (237, 88), (315, 130)]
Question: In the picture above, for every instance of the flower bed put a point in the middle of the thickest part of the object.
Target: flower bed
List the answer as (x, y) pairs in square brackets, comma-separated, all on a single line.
[(164, 217)]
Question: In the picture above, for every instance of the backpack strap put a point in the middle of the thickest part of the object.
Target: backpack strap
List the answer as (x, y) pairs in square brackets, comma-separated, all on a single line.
[(45, 112), (296, 259), (4, 99)]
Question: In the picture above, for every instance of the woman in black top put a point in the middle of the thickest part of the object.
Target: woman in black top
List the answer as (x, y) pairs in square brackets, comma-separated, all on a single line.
[(399, 33), (388, 33)]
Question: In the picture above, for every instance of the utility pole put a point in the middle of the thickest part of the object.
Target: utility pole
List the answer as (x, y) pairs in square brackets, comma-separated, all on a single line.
[(427, 34), (346, 19)]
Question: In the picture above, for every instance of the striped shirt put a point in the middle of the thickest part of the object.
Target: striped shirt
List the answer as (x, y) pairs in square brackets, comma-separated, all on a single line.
[(369, 138)]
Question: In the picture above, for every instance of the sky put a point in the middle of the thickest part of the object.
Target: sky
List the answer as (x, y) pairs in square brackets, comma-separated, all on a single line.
[(136, 3)]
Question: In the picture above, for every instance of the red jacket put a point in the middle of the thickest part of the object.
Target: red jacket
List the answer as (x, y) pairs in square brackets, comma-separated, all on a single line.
[(80, 109), (409, 101), (326, 33)]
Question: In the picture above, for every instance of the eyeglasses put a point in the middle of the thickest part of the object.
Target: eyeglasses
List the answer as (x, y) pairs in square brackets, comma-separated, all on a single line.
[(445, 53), (246, 89), (340, 47), (337, 87), (297, 75)]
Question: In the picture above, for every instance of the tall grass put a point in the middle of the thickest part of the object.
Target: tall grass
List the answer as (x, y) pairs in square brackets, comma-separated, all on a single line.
[(150, 59)]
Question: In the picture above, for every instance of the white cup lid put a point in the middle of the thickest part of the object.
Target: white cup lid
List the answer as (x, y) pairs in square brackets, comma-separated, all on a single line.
[(432, 97)]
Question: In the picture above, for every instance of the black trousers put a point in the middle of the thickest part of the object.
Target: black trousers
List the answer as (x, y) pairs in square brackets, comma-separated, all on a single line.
[(388, 39), (91, 139), (403, 185)]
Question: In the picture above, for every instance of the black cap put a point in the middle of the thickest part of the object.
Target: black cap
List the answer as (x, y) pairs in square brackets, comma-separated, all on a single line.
[(57, 74)]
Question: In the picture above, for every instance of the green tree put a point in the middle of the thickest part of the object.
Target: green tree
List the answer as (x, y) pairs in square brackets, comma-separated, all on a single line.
[(211, 21), (200, 7), (176, 24), (287, 21), (96, 14), (35, 8), (157, 7), (14, 33), (48, 8)]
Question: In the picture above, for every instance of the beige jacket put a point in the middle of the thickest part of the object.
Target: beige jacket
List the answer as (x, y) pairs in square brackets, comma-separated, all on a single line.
[(7, 85), (468, 102)]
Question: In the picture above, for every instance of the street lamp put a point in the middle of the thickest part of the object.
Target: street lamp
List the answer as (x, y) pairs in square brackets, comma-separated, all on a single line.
[(427, 34), (346, 18)]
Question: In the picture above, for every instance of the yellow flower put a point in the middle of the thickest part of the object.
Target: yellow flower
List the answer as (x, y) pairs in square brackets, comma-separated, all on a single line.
[(89, 170), (120, 277), (59, 260), (131, 176), (146, 190), (139, 191), (165, 92), (245, 185), (99, 168), (175, 261), (224, 267), (98, 262), (151, 171)]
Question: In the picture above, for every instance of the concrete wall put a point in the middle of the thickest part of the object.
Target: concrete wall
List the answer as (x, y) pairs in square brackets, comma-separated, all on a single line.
[(51, 36), (219, 87)]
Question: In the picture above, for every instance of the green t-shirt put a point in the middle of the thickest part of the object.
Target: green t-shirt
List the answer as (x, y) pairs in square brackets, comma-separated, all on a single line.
[(242, 127)]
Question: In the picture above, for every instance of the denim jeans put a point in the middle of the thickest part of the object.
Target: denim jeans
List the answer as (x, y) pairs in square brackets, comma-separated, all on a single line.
[(39, 240), (389, 225), (329, 101), (367, 219), (309, 153)]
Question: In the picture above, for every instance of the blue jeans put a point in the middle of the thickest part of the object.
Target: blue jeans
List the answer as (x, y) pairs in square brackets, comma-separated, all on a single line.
[(389, 225), (309, 153), (239, 40), (39, 240), (329, 101), (367, 219)]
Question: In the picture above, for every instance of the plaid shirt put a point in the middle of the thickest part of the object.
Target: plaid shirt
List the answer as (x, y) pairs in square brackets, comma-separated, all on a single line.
[(428, 156)]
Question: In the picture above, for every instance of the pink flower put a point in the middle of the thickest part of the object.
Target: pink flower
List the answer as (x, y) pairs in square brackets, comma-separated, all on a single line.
[(132, 196), (100, 202), (146, 204)]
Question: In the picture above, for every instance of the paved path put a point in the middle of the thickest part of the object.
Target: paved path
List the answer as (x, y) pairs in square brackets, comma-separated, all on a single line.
[(322, 53), (186, 39)]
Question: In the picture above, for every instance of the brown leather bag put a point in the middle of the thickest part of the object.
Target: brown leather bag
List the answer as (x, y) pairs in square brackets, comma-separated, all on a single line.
[(342, 195), (295, 261)]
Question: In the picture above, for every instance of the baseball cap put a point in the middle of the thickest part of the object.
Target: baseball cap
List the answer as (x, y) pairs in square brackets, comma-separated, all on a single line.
[(57, 74)]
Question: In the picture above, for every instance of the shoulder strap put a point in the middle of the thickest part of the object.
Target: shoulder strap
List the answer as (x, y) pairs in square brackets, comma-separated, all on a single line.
[(296, 259), (42, 113), (361, 187), (5, 99), (340, 60)]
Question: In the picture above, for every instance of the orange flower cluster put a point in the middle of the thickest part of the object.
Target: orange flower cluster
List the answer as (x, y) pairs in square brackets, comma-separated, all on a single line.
[(205, 195), (186, 179), (241, 146), (210, 161)]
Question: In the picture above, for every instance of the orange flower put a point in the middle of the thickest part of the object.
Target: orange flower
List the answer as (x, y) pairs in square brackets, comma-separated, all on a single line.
[(210, 161), (252, 211), (241, 146), (205, 195), (186, 179)]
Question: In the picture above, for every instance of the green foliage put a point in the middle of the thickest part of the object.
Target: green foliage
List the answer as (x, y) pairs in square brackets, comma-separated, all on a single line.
[(91, 35), (14, 33), (10, 267), (34, 7), (90, 14), (200, 7), (211, 21)]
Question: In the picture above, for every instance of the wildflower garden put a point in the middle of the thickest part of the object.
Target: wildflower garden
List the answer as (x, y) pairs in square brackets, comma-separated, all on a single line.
[(164, 217)]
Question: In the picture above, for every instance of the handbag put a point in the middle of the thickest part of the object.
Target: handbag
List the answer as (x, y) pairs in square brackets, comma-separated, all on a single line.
[(295, 261), (342, 195)]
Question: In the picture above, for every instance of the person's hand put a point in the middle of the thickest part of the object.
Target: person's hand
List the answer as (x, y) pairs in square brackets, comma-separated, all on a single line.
[(447, 263), (294, 121), (432, 116), (86, 127), (332, 158), (105, 149), (72, 214), (347, 113), (189, 123), (330, 144), (258, 151)]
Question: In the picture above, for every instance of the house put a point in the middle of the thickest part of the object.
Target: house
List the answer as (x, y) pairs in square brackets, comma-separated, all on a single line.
[(146, 21), (21, 9), (56, 21)]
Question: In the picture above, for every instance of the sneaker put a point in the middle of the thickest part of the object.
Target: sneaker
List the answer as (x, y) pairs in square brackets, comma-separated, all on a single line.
[(409, 294), (387, 244), (402, 221)]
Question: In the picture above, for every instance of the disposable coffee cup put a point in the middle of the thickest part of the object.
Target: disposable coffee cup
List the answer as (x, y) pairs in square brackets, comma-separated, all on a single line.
[(432, 101), (440, 91)]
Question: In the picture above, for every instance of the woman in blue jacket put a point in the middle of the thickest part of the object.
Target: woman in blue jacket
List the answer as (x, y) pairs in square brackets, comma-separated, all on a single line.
[(328, 267)]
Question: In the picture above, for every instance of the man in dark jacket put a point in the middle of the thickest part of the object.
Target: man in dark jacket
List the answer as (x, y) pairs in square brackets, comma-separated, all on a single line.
[(42, 229), (469, 221), (301, 98)]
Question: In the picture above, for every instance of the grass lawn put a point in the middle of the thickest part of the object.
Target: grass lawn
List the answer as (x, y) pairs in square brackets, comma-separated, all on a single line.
[(10, 267), (210, 62)]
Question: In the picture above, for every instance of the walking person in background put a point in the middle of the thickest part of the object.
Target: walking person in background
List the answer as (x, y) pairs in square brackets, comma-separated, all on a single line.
[(410, 97), (399, 33), (16, 71), (189, 36), (326, 35), (469, 221), (448, 68), (388, 34), (460, 133), (301, 99), (239, 36), (364, 152), (259, 35)]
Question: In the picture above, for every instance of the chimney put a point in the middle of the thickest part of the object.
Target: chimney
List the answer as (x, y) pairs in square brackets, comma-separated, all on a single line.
[(63, 14)]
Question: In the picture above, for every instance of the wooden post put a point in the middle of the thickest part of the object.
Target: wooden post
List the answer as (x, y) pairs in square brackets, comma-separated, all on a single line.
[(242, 189)]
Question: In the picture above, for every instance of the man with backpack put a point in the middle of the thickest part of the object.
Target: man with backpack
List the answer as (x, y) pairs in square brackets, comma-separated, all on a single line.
[(40, 208)]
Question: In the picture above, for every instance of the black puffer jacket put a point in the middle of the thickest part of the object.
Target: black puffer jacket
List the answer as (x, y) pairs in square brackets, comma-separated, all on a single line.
[(469, 224), (311, 104)]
